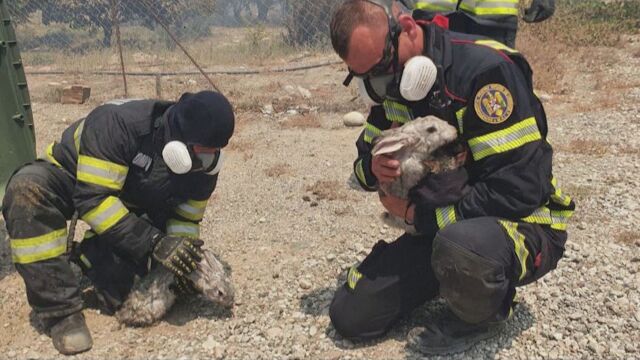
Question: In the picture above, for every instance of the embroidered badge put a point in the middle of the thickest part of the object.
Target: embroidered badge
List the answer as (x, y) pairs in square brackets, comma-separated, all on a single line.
[(494, 104)]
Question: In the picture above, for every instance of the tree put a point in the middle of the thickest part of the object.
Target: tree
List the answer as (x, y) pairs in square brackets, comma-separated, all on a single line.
[(100, 14)]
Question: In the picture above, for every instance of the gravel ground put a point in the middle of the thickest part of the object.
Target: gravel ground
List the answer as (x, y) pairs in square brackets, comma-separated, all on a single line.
[(284, 220)]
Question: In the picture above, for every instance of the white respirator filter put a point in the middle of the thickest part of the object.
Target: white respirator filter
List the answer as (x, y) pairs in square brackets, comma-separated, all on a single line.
[(221, 158), (176, 155), (363, 94), (418, 77)]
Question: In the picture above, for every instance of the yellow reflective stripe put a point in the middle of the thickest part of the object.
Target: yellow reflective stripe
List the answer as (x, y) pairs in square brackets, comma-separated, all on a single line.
[(360, 172), (85, 261), (560, 219), (38, 248), (519, 245), (49, 155), (106, 215), (445, 216), (496, 45), (183, 228), (353, 277), (101, 172), (541, 216), (460, 116), (88, 235), (77, 134), (370, 133), (443, 5), (502, 7), (397, 112), (558, 196), (500, 141), (192, 209)]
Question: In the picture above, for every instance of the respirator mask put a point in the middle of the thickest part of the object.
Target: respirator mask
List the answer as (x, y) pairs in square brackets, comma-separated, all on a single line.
[(182, 158), (386, 80)]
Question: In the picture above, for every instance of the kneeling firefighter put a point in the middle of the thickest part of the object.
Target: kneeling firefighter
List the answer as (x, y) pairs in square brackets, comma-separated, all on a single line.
[(140, 174), (495, 224)]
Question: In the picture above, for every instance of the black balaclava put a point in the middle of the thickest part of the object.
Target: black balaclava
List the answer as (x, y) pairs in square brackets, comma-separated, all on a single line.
[(205, 118)]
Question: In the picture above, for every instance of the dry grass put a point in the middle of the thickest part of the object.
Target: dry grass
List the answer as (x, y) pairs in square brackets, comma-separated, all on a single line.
[(278, 170), (545, 59), (628, 237), (585, 147), (327, 190), (301, 121)]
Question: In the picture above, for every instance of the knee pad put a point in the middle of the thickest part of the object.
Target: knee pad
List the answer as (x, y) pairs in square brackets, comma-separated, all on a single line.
[(366, 310), (473, 286)]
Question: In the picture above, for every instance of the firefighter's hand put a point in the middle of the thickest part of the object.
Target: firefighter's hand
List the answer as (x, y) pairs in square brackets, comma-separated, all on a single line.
[(385, 168), (396, 206), (539, 10), (180, 255)]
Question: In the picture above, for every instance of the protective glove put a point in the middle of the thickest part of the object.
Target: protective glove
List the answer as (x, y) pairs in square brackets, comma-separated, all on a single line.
[(180, 255), (539, 10), (184, 286)]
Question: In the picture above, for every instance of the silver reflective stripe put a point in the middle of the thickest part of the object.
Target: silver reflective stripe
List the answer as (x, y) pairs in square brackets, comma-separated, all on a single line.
[(43, 247), (88, 169)]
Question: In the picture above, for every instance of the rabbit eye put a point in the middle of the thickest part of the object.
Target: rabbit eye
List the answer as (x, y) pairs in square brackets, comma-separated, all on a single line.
[(431, 129)]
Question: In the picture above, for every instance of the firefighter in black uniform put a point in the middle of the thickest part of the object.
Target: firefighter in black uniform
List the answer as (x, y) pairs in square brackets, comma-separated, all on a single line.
[(140, 174), (495, 224), (497, 20)]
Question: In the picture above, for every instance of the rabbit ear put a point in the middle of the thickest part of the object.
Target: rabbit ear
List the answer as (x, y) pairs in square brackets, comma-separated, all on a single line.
[(392, 144)]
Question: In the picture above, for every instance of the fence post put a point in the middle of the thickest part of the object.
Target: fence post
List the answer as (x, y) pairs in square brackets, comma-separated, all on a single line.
[(116, 23)]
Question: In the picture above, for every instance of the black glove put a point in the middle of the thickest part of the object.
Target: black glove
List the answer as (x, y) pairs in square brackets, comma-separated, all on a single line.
[(539, 10), (180, 255), (441, 189)]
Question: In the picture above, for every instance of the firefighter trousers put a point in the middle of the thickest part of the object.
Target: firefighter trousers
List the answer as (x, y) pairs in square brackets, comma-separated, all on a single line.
[(475, 265), (37, 204)]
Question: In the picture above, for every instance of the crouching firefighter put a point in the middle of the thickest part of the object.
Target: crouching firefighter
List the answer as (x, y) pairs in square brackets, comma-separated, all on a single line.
[(497, 223), (140, 174)]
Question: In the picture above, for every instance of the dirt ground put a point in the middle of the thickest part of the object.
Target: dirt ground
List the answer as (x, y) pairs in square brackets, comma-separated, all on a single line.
[(285, 221)]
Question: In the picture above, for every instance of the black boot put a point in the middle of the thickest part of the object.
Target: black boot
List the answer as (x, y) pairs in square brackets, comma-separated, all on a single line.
[(451, 335), (69, 334)]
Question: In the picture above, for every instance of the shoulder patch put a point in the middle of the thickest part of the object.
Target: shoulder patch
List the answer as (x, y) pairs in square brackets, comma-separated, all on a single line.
[(494, 104)]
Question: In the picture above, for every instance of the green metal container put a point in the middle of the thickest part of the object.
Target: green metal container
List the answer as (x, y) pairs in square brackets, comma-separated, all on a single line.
[(17, 136)]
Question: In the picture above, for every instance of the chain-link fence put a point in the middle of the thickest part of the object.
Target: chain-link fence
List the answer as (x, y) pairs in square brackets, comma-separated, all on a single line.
[(82, 36)]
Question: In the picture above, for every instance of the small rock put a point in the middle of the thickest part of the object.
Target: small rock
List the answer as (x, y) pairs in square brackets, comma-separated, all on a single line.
[(262, 220), (353, 119), (210, 343), (313, 204), (304, 92), (313, 331), (557, 336), (274, 332), (305, 284), (267, 109), (306, 198), (330, 257), (11, 353)]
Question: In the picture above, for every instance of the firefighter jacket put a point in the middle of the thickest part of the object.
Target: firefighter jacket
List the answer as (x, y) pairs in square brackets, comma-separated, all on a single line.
[(500, 14), (489, 98), (114, 154)]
